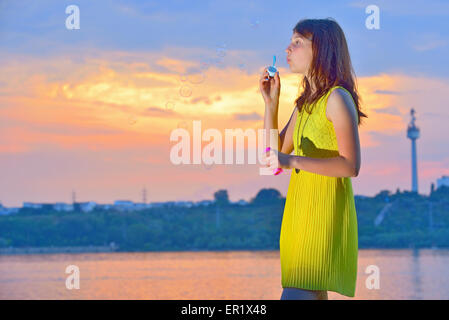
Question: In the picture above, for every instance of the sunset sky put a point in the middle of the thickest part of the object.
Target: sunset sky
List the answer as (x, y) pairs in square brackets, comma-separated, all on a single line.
[(92, 109)]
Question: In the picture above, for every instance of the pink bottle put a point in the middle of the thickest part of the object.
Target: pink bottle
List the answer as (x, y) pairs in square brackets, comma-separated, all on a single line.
[(278, 170)]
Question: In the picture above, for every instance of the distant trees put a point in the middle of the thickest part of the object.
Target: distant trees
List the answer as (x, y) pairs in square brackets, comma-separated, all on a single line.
[(267, 196), (221, 197), (414, 220)]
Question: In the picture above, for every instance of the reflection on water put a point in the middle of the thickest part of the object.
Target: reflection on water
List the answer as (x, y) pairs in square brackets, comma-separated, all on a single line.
[(404, 274)]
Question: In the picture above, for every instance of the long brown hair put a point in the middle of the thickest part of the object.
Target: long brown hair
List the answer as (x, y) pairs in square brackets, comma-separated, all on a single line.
[(331, 64)]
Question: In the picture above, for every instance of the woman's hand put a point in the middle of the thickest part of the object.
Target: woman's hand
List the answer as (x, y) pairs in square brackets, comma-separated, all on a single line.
[(270, 88), (274, 159)]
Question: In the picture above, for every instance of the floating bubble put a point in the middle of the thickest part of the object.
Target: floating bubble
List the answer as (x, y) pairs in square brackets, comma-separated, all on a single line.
[(255, 23), (185, 91), (196, 78), (219, 62), (242, 66), (207, 166), (132, 120), (169, 105), (221, 50), (204, 65), (183, 125)]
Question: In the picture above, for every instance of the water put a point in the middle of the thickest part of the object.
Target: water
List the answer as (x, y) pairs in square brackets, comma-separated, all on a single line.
[(404, 274)]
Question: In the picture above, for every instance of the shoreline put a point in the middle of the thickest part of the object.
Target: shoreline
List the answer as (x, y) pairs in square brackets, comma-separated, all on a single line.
[(106, 249), (37, 250)]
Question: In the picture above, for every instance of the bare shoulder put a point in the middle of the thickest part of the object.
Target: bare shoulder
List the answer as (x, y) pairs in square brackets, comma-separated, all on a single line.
[(295, 112), (340, 103)]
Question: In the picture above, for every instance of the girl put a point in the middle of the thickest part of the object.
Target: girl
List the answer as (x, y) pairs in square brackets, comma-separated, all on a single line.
[(318, 241)]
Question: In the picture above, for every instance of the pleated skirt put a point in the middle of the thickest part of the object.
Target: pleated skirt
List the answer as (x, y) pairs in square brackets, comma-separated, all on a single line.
[(318, 240)]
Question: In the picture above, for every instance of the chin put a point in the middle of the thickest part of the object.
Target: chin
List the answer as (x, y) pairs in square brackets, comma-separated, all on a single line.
[(294, 70)]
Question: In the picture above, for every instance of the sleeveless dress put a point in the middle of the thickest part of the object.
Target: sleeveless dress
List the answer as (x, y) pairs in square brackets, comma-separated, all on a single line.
[(318, 240)]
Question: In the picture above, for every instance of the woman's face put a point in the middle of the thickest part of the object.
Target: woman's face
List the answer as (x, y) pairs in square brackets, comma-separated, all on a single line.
[(299, 54)]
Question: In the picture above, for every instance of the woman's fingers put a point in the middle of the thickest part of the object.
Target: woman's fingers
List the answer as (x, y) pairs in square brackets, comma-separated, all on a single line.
[(269, 159), (266, 160)]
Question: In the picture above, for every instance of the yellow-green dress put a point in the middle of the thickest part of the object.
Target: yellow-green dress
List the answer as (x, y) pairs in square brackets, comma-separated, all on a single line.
[(318, 240)]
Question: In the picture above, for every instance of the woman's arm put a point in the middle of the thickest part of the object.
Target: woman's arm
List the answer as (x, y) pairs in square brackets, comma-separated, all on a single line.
[(341, 111), (271, 122)]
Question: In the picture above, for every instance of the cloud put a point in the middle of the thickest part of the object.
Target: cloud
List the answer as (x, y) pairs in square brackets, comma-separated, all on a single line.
[(386, 92), (59, 105), (254, 116), (431, 45), (428, 41), (205, 100), (388, 110), (433, 114), (159, 112)]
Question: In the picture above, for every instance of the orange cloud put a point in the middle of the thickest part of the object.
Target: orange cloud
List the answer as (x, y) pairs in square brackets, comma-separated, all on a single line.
[(108, 104)]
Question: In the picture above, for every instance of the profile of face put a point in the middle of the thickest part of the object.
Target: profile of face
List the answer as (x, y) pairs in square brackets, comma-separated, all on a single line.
[(299, 54)]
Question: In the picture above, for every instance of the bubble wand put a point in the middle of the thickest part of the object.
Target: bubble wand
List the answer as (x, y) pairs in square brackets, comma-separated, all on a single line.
[(272, 69)]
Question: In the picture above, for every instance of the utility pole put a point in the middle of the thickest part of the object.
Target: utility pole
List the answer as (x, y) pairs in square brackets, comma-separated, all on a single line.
[(144, 195)]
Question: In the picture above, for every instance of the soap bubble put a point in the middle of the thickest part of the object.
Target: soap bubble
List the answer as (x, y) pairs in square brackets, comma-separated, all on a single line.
[(132, 120), (207, 166), (204, 65), (169, 105), (221, 50), (183, 125), (255, 23), (219, 62), (196, 78), (242, 66), (185, 91)]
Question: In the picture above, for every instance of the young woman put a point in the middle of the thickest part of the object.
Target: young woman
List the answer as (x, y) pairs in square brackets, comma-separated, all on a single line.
[(318, 240)]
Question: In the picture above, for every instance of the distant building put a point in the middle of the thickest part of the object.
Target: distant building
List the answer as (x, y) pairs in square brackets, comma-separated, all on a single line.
[(156, 205), (413, 135), (32, 205), (186, 204), (104, 206), (124, 205), (61, 206), (4, 210), (204, 203), (87, 206), (443, 181), (141, 206)]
